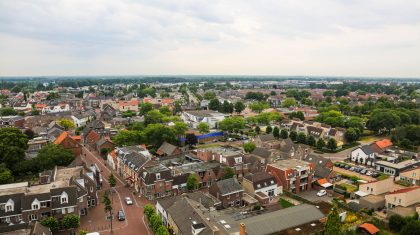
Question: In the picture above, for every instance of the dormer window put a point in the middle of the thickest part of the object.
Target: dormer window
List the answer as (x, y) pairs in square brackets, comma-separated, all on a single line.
[(10, 204), (64, 198), (35, 204), (158, 176)]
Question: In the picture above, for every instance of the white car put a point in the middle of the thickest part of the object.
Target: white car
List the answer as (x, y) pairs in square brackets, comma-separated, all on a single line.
[(321, 193), (128, 201)]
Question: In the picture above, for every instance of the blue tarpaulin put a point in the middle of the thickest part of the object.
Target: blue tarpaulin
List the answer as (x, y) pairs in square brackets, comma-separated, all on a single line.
[(209, 135)]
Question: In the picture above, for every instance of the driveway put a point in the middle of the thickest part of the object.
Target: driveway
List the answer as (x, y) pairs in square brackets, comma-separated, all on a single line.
[(347, 172), (96, 221), (311, 196)]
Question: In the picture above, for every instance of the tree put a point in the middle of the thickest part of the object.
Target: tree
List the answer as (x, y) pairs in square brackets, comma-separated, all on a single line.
[(153, 117), (332, 144), (53, 96), (162, 230), (396, 222), (333, 224), (127, 138), (83, 232), (297, 114), (249, 147), (228, 172), (108, 208), (257, 129), (70, 221), (311, 141), (276, 132), (53, 155), (259, 106), (29, 133), (239, 107), (180, 128), (214, 104), (232, 123), (191, 139), (112, 180), (293, 135), (320, 144), (226, 107), (351, 135), (51, 223), (192, 182), (178, 107), (13, 144), (289, 102), (209, 95), (255, 96), (268, 129), (165, 111), (66, 123), (411, 228), (203, 127), (156, 134), (331, 117), (148, 210), (6, 176), (301, 138), (8, 112), (284, 134), (383, 120)]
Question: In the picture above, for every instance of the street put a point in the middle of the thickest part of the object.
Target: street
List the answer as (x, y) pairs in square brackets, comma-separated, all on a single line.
[(96, 220)]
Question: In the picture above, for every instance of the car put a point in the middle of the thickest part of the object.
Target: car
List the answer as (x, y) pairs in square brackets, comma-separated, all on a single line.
[(321, 193), (337, 164), (363, 171), (352, 168), (375, 175), (358, 169), (121, 215), (128, 201), (369, 173), (342, 165), (230, 139), (347, 167)]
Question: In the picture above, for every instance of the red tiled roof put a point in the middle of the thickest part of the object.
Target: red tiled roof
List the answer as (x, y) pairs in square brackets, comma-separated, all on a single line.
[(77, 137), (385, 143), (61, 137), (370, 228), (404, 190), (322, 181)]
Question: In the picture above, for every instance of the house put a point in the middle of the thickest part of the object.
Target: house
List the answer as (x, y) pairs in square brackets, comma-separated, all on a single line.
[(289, 149), (267, 141), (108, 112), (411, 175), (323, 167), (34, 145), (104, 143), (91, 138), (381, 145), (403, 198), (261, 185), (131, 160), (12, 121), (155, 182), (124, 106), (396, 168), (69, 142), (60, 108), (207, 173), (167, 149), (367, 228), (263, 154), (195, 117), (293, 174), (377, 187), (316, 132), (364, 155), (112, 160), (81, 118), (228, 191)]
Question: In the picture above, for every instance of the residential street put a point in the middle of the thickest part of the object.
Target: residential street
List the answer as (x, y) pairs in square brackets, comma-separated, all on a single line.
[(96, 221)]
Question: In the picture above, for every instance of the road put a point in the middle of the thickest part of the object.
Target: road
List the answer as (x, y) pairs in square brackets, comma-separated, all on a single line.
[(96, 221), (342, 155)]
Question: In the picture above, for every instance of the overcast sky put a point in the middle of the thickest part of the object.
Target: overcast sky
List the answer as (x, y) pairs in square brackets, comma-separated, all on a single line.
[(232, 37)]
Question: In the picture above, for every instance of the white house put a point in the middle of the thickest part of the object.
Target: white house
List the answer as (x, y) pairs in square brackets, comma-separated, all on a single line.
[(364, 154), (56, 108), (193, 118), (80, 119)]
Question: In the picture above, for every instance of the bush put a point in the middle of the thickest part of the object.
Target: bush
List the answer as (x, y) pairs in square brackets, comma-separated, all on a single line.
[(284, 203), (396, 223)]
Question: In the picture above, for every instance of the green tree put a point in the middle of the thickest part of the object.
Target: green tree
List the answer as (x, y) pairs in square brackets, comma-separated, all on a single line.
[(29, 133), (232, 123), (383, 120), (162, 230), (165, 111), (13, 144), (6, 176), (209, 95), (70, 222), (191, 139), (331, 117), (148, 210), (156, 134), (239, 107), (67, 124), (257, 129), (332, 144), (301, 138), (155, 221), (8, 112), (228, 172), (192, 182), (51, 223), (298, 114), (268, 129), (276, 132), (127, 138), (203, 127), (284, 134), (52, 155), (226, 107), (180, 128), (351, 134), (293, 135), (177, 107), (108, 208), (83, 232), (153, 117), (320, 144), (214, 104), (249, 147), (259, 106), (333, 224), (289, 102), (112, 180), (311, 141), (411, 228), (396, 222)]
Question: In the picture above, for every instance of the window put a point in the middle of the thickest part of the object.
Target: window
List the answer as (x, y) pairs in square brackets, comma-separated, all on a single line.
[(367, 188), (91, 189), (35, 207), (1, 206), (9, 208), (33, 217), (93, 202), (43, 204), (70, 210), (158, 176)]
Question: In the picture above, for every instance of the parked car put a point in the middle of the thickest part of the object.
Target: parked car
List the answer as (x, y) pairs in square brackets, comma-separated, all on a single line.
[(352, 168), (363, 171), (347, 167), (358, 169), (375, 174), (128, 201), (369, 173), (121, 215), (321, 193)]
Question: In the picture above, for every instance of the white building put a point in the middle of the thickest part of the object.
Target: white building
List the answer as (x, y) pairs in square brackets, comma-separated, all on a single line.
[(56, 109), (193, 118), (364, 155)]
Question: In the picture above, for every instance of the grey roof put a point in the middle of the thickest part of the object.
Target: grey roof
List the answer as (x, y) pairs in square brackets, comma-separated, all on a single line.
[(167, 148), (229, 186), (28, 199), (135, 160), (16, 198), (204, 199), (314, 131), (367, 149), (262, 152), (280, 220), (267, 137), (72, 196)]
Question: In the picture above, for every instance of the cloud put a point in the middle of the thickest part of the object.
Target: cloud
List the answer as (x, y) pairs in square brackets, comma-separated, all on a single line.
[(275, 37)]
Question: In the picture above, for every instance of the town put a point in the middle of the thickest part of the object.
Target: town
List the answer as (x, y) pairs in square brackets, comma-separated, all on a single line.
[(198, 156)]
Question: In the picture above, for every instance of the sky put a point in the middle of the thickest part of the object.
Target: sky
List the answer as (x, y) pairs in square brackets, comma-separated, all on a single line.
[(195, 37)]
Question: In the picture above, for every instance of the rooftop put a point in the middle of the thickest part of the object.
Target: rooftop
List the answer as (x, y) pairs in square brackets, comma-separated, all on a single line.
[(290, 164), (399, 165)]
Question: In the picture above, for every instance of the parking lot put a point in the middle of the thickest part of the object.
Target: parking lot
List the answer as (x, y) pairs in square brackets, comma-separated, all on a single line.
[(311, 196), (352, 173)]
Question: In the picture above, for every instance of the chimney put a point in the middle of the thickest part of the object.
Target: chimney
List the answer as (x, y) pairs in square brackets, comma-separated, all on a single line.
[(242, 229)]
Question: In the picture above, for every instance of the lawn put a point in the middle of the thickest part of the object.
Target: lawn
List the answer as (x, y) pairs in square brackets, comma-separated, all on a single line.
[(382, 176), (207, 145), (284, 203), (349, 188)]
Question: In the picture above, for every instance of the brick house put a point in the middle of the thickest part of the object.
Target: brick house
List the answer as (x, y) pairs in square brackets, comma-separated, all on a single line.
[(131, 160), (167, 149), (294, 175), (69, 143), (155, 182), (228, 191)]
